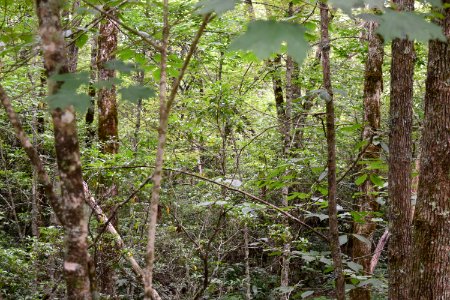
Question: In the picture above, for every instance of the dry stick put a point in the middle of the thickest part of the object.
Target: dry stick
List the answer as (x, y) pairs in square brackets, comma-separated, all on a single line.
[(32, 154), (101, 217), (376, 256)]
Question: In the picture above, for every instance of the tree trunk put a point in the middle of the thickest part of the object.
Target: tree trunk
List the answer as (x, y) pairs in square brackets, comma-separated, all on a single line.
[(400, 160), (67, 155), (248, 278), (373, 87), (331, 146), (90, 114), (431, 263), (109, 144)]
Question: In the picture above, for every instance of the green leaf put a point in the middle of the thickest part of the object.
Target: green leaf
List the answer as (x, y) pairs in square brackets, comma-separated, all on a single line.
[(361, 179), (81, 40), (67, 94), (343, 239), (120, 66), (347, 5), (362, 239), (409, 25), (217, 6), (376, 180), (306, 294), (63, 99), (266, 37), (137, 92), (71, 81)]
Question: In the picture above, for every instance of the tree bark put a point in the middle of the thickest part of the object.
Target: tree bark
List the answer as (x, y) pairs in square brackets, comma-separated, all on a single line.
[(67, 155), (373, 88), (109, 144), (431, 263), (400, 160), (331, 146)]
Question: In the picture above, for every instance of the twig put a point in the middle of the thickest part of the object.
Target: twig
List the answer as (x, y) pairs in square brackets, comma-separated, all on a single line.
[(380, 246)]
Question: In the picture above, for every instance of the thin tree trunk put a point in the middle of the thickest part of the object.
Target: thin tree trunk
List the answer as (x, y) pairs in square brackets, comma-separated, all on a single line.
[(109, 144), (72, 49), (166, 103), (137, 126), (373, 88), (90, 114), (400, 160), (248, 279), (157, 174), (331, 145), (431, 263), (67, 155)]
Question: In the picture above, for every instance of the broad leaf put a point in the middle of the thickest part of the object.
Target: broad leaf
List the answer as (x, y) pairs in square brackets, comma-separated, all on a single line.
[(361, 179), (362, 239), (65, 98), (135, 93), (409, 25), (306, 294), (320, 216), (67, 94), (376, 180), (354, 266), (120, 66), (266, 37), (217, 6), (347, 5), (343, 239)]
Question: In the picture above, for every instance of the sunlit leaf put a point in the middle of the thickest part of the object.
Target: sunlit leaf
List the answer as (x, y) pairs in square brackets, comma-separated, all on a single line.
[(306, 294), (376, 180), (266, 37), (361, 179), (343, 239), (81, 40), (320, 216)]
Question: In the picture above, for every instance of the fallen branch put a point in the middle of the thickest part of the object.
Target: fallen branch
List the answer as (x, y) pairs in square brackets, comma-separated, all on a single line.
[(380, 246), (101, 217)]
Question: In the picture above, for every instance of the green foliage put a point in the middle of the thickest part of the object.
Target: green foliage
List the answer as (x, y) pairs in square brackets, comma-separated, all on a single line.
[(217, 6), (266, 37), (136, 93), (68, 94), (348, 5), (409, 25)]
